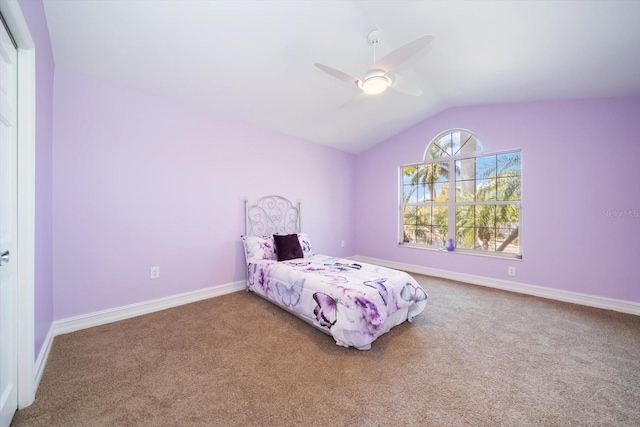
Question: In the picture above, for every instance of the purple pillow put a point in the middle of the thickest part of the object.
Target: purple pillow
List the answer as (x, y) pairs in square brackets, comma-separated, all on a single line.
[(288, 247)]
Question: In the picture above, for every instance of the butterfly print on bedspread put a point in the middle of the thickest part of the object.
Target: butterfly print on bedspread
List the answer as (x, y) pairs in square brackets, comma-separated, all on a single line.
[(370, 313), (326, 310), (252, 269), (340, 266), (258, 276), (334, 279), (378, 284), (290, 296), (314, 269), (297, 263), (413, 293)]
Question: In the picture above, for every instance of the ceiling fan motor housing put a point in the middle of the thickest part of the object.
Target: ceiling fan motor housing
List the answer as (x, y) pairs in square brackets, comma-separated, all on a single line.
[(375, 82)]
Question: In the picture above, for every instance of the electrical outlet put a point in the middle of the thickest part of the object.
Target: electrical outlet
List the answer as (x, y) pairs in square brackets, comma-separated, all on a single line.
[(154, 272), (512, 271), (342, 243)]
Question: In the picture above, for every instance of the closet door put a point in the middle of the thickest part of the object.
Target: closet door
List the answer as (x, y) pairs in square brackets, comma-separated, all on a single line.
[(8, 226)]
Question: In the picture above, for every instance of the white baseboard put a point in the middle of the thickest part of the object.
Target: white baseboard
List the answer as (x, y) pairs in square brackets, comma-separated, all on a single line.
[(90, 320), (43, 356), (622, 306)]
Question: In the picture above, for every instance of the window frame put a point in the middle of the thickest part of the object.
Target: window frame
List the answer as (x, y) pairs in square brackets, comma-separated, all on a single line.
[(452, 203)]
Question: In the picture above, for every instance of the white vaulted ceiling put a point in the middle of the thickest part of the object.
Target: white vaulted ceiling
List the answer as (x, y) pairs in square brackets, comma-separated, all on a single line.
[(253, 60)]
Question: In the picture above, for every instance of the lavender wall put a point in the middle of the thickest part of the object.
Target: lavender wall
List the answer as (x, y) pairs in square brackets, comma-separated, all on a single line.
[(142, 181), (33, 12), (580, 162)]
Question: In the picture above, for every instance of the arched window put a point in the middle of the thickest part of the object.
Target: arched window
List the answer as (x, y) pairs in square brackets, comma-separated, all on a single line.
[(459, 192)]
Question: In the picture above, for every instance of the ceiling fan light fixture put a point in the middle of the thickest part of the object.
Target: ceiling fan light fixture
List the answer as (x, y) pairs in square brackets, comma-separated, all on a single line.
[(375, 84)]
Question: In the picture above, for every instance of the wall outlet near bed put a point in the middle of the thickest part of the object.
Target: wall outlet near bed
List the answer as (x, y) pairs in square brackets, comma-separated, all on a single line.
[(512, 271), (342, 243), (154, 272)]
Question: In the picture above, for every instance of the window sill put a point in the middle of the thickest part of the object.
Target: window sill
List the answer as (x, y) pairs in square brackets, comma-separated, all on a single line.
[(512, 257)]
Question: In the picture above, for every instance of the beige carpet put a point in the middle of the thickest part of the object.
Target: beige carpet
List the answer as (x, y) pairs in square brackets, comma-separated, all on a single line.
[(475, 357)]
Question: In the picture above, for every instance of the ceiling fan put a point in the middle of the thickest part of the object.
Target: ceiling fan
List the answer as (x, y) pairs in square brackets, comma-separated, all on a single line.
[(380, 77)]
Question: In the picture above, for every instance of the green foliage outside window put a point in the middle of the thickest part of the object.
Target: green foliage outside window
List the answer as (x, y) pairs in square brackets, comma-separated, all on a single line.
[(486, 204)]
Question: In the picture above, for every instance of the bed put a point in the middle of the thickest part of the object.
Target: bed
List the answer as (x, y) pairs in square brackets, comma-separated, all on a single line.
[(354, 302)]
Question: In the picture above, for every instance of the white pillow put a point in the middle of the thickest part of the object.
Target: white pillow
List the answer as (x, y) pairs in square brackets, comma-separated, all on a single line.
[(259, 247), (306, 245)]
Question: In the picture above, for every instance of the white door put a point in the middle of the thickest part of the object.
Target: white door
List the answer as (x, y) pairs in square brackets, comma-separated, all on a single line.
[(8, 227)]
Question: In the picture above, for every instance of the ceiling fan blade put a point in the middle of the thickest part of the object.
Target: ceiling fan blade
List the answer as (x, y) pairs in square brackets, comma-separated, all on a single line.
[(338, 74), (405, 86), (401, 54)]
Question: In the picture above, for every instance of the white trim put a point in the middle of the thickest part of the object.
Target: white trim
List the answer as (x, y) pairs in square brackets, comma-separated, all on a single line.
[(485, 254), (12, 14), (439, 137), (622, 306), (26, 226), (90, 320), (43, 356)]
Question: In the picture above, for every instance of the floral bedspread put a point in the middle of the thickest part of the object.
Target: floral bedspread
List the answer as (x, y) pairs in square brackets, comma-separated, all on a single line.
[(350, 300)]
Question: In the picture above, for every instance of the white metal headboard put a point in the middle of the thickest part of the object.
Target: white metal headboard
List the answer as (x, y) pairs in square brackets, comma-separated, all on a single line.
[(271, 215)]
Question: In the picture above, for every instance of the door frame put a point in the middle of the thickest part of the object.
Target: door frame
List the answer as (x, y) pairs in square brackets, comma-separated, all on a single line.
[(14, 18)]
